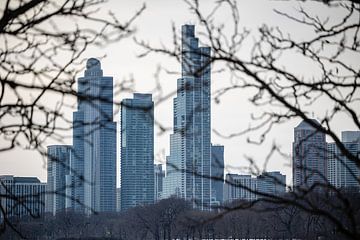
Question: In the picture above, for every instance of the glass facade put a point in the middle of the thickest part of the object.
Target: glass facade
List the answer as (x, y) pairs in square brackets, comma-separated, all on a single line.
[(137, 151), (273, 183), (237, 187), (188, 166), (342, 172), (217, 172), (58, 169), (94, 141), (309, 156), (29, 190)]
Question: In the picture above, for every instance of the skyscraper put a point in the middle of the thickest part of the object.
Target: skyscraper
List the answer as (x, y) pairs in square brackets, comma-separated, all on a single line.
[(58, 168), (188, 166), (217, 172), (342, 172), (26, 196), (94, 141), (309, 156), (137, 151)]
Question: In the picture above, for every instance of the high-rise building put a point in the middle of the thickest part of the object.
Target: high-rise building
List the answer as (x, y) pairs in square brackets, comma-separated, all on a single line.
[(58, 169), (217, 172), (94, 142), (309, 156), (273, 183), (188, 166), (239, 187), (21, 196), (343, 173), (137, 151), (159, 178)]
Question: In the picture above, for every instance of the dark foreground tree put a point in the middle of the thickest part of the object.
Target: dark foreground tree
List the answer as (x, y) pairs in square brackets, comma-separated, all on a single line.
[(31, 43)]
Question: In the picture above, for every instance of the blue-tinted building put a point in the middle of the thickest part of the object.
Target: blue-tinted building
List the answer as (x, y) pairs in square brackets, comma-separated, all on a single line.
[(342, 172), (272, 183), (29, 193), (309, 156), (58, 169), (217, 172), (188, 166), (137, 151), (94, 141)]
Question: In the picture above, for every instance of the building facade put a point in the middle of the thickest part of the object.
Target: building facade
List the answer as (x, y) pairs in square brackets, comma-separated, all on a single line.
[(58, 170), (137, 151), (272, 183), (158, 181), (94, 142), (217, 173), (189, 162), (309, 156), (239, 187), (342, 172), (26, 196)]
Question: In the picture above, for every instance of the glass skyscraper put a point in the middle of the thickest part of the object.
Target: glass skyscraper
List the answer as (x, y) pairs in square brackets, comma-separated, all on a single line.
[(309, 156), (137, 151), (342, 172), (188, 166), (94, 141)]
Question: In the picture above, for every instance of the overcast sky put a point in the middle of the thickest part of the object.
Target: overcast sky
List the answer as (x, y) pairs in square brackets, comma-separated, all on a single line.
[(233, 112)]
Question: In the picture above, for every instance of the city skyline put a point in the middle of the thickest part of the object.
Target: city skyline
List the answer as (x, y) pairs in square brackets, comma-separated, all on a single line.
[(180, 119), (121, 62)]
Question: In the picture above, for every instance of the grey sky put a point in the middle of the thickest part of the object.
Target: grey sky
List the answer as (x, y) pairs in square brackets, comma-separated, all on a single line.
[(231, 115)]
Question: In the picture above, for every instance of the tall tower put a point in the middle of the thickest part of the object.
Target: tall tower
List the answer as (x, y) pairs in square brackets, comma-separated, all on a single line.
[(309, 156), (137, 151), (188, 166), (58, 168), (94, 133), (342, 172)]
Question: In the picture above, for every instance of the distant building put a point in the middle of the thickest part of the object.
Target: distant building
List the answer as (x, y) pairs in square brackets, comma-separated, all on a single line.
[(94, 142), (309, 155), (137, 151), (342, 172), (239, 187), (273, 183), (29, 194), (118, 199), (58, 170), (189, 163), (159, 178), (217, 173)]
